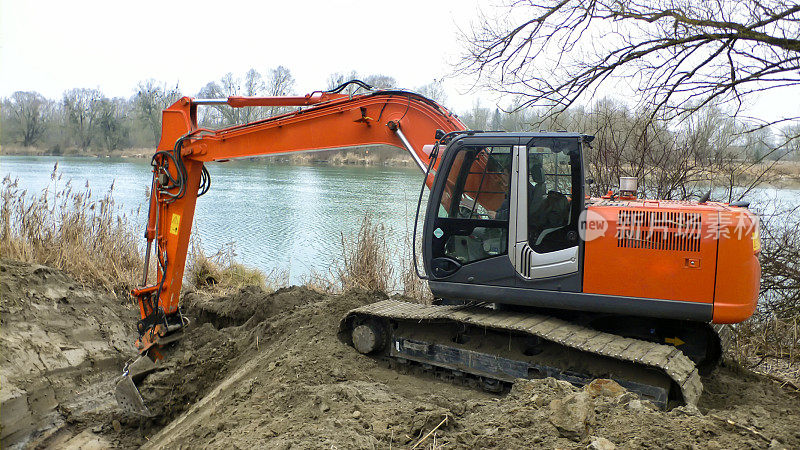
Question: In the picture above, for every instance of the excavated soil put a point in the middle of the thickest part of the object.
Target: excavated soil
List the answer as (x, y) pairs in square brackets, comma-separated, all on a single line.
[(260, 369), (62, 345)]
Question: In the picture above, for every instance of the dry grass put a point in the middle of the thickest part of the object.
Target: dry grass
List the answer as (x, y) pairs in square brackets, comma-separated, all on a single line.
[(771, 338), (221, 273), (71, 230), (365, 260), (771, 346), (323, 282), (413, 287), (366, 264), (765, 338)]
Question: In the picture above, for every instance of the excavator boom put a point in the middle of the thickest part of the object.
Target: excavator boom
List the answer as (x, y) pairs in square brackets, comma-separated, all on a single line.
[(396, 118)]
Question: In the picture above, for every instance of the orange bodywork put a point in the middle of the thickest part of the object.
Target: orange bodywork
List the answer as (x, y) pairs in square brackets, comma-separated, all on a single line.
[(738, 270), (680, 251), (331, 121), (678, 258)]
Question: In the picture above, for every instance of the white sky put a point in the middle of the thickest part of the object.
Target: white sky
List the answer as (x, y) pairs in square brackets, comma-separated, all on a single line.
[(53, 45)]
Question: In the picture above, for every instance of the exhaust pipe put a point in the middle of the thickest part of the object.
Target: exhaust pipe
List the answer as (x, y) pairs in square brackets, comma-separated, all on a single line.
[(628, 187)]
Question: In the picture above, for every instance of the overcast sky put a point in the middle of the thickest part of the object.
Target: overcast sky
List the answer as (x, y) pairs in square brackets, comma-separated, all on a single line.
[(53, 45)]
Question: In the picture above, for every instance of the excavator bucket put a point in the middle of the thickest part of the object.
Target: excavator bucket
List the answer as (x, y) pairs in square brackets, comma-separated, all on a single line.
[(126, 393)]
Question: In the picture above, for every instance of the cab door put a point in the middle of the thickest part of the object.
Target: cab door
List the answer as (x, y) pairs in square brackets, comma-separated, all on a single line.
[(466, 237), (546, 251)]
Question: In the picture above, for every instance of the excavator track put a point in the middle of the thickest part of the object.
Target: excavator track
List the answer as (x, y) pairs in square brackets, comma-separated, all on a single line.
[(408, 332)]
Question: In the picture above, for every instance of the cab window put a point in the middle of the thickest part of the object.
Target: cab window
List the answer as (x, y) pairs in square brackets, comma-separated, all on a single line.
[(553, 172), (472, 221)]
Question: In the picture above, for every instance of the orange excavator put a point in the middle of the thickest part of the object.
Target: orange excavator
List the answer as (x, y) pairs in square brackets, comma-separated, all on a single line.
[(532, 277)]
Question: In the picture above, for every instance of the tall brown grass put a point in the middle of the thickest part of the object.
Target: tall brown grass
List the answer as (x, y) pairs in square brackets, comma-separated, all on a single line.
[(413, 286), (771, 338), (365, 259), (367, 264), (221, 273), (70, 229), (767, 336)]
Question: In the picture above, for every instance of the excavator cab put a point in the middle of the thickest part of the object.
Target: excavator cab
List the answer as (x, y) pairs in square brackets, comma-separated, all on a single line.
[(502, 215), (501, 227)]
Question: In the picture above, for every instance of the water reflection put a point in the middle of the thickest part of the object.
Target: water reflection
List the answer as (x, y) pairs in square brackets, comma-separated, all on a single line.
[(284, 218)]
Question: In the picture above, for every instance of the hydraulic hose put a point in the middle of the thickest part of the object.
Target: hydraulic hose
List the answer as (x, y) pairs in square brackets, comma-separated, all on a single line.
[(431, 163)]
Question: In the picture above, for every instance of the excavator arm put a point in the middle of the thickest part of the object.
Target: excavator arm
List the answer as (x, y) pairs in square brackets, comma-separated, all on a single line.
[(329, 120), (323, 121)]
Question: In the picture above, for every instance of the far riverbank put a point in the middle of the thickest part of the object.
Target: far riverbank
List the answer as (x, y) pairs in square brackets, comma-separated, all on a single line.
[(354, 156)]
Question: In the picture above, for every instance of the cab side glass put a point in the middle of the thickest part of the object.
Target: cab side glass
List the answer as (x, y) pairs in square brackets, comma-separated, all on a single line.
[(472, 222), (553, 175)]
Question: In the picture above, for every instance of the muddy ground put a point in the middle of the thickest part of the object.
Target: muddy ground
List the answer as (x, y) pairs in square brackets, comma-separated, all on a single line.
[(60, 343), (259, 369)]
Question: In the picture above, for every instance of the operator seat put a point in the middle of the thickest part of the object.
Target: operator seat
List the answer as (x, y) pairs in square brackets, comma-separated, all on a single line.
[(547, 211), (556, 214), (537, 191)]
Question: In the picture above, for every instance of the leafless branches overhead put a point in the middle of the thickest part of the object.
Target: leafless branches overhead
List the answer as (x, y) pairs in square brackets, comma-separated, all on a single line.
[(678, 55)]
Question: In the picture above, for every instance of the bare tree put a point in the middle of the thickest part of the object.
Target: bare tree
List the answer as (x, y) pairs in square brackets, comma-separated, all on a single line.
[(434, 91), (679, 55), (253, 86), (280, 83), (150, 99), (26, 117), (227, 86), (517, 119), (338, 78), (688, 59), (379, 81), (111, 123), (476, 118), (789, 136), (81, 108)]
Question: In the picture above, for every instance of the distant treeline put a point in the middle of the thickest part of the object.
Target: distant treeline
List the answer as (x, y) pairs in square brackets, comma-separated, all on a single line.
[(85, 120)]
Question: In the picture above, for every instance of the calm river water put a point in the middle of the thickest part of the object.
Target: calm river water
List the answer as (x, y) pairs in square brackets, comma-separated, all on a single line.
[(277, 217)]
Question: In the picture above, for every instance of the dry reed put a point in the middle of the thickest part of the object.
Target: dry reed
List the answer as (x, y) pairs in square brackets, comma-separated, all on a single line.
[(365, 260), (221, 272), (322, 282), (769, 344), (770, 340), (413, 286), (68, 229)]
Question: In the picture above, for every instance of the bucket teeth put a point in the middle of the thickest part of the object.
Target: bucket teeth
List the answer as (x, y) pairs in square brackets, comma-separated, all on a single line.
[(129, 398), (126, 392)]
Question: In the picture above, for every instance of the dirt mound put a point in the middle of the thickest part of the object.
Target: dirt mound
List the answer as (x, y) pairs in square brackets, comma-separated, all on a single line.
[(262, 369), (225, 332), (282, 377), (62, 345), (249, 304)]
